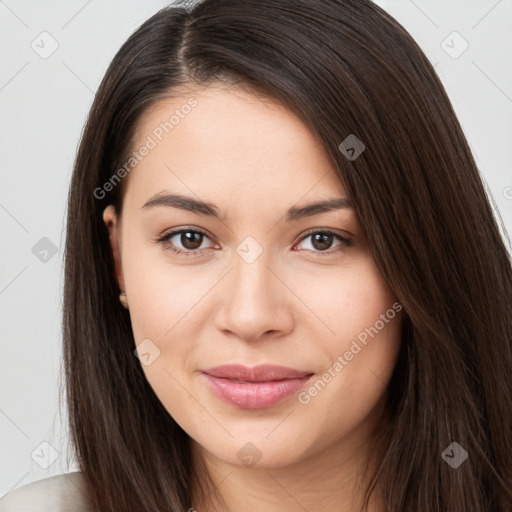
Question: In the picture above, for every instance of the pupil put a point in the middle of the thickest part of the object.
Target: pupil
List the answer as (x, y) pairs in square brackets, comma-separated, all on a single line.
[(187, 239), (324, 239)]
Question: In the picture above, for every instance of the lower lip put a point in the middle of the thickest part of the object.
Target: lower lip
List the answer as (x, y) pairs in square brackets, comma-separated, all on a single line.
[(254, 395)]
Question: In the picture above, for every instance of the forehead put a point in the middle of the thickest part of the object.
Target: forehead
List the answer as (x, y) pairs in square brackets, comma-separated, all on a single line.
[(242, 114), (227, 138)]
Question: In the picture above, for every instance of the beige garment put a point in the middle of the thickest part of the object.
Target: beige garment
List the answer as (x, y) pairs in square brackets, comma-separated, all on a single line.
[(61, 493)]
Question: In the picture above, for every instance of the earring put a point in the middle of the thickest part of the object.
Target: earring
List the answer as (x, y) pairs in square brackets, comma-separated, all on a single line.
[(123, 299)]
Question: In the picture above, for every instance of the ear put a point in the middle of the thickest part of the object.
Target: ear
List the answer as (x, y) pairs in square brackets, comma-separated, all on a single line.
[(112, 222)]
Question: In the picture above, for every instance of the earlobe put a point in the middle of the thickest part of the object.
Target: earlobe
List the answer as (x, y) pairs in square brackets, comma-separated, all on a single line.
[(111, 222)]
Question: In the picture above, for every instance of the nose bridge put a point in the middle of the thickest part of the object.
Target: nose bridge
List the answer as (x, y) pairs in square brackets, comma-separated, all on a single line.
[(251, 277), (254, 304)]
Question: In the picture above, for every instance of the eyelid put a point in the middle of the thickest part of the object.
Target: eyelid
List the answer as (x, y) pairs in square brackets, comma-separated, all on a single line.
[(344, 241), (336, 232), (173, 232), (196, 252)]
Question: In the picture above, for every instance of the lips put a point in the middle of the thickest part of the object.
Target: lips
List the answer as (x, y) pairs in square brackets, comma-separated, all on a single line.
[(254, 388), (261, 373)]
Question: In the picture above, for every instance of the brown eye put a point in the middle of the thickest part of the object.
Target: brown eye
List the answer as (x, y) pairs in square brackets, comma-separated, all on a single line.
[(321, 241), (186, 241), (191, 239)]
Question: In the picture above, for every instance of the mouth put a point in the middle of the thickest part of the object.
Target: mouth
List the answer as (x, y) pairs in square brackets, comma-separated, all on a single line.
[(254, 388)]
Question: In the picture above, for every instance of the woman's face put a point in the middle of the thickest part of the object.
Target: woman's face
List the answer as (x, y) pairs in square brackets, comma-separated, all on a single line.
[(256, 280)]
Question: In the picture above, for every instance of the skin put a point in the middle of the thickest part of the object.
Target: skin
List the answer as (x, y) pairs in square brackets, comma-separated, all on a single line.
[(299, 304)]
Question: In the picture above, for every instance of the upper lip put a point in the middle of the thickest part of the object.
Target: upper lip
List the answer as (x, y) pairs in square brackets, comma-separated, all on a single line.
[(260, 373)]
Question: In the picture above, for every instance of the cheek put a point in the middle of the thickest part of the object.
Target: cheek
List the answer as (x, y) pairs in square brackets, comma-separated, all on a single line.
[(364, 318), (350, 302), (361, 359), (162, 296)]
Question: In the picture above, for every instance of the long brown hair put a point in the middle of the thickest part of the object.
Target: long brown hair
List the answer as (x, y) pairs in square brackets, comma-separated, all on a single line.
[(346, 68)]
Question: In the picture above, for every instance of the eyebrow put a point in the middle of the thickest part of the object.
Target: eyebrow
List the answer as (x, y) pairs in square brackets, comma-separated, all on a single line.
[(204, 208)]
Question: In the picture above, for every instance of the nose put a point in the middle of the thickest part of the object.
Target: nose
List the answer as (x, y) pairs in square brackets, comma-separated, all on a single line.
[(257, 303)]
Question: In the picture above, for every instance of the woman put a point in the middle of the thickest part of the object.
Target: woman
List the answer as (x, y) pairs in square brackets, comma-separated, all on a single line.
[(285, 288)]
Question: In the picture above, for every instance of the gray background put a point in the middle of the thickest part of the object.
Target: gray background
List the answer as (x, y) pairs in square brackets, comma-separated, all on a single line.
[(44, 103)]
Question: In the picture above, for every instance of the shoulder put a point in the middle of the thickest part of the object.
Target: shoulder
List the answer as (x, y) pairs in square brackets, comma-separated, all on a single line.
[(57, 493)]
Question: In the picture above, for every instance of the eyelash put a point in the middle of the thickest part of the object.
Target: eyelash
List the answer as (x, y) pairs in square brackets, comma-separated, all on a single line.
[(344, 241)]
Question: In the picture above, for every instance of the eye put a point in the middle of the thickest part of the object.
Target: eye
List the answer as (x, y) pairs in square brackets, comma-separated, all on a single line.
[(190, 239), (321, 240)]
